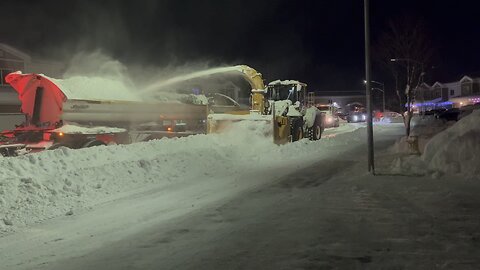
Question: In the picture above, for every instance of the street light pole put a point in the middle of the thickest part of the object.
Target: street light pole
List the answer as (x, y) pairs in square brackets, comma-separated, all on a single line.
[(371, 165), (382, 90), (383, 96)]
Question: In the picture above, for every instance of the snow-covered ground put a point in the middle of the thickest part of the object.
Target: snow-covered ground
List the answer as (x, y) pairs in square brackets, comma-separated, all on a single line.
[(41, 186), (234, 201)]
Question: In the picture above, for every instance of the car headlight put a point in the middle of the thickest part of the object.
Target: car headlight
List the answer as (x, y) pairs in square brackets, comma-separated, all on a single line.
[(364, 117), (355, 118)]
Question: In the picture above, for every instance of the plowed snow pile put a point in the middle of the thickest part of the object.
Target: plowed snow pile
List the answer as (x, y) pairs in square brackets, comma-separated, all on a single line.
[(61, 182), (457, 149)]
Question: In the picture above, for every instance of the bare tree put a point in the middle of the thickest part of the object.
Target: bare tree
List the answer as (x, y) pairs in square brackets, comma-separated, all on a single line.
[(405, 49)]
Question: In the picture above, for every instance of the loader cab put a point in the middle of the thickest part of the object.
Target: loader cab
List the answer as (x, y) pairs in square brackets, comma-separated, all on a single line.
[(287, 90)]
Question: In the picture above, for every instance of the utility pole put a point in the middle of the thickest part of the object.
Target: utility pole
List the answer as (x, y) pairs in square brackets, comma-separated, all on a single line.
[(368, 90), (381, 90), (383, 97)]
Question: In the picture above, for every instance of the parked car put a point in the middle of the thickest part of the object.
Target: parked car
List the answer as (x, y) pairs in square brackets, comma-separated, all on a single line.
[(468, 109), (391, 114), (448, 115), (434, 111), (354, 117)]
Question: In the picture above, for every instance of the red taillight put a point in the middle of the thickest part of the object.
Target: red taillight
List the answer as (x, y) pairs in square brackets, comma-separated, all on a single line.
[(47, 136)]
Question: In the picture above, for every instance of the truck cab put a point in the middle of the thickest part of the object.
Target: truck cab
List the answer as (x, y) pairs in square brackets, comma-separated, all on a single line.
[(330, 111)]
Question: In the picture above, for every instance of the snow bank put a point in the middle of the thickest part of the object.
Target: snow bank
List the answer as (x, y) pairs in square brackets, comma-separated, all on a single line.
[(424, 128), (410, 165), (61, 182), (457, 149), (427, 125), (446, 148), (73, 128)]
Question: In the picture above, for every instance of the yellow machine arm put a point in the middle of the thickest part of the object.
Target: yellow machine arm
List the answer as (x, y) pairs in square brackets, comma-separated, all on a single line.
[(255, 80), (252, 76)]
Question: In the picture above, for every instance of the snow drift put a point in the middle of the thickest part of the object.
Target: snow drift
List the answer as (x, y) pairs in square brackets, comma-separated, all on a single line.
[(456, 150), (424, 128), (62, 182)]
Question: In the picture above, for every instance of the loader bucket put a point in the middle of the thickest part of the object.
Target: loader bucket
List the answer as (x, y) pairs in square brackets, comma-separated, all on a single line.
[(220, 122), (280, 132)]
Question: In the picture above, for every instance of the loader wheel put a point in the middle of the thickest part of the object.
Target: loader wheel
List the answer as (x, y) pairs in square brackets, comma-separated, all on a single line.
[(315, 132), (297, 130), (93, 143)]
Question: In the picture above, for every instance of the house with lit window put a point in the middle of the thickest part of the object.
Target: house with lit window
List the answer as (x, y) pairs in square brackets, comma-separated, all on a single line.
[(469, 93), (456, 94)]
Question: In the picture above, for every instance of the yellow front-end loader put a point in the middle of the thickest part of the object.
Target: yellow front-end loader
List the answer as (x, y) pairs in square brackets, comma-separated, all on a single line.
[(283, 104)]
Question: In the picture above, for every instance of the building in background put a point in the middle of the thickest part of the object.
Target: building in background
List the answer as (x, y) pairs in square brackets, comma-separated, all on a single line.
[(11, 60), (456, 94)]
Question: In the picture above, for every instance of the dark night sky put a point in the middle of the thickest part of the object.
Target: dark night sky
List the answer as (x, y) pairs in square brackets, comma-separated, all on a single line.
[(319, 42)]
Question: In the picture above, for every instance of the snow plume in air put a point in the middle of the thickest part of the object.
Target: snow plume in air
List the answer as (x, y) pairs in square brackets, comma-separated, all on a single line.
[(97, 64), (164, 84), (96, 76), (197, 79)]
